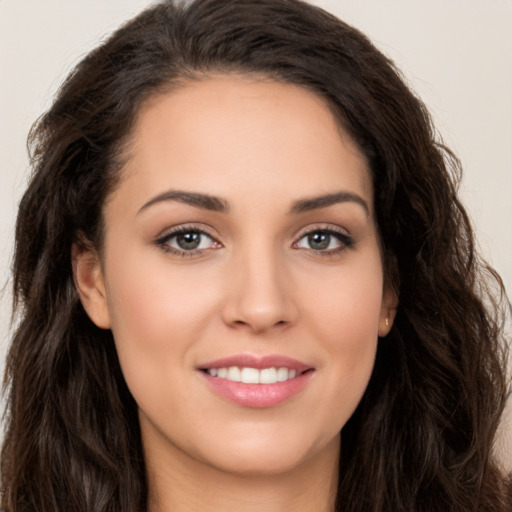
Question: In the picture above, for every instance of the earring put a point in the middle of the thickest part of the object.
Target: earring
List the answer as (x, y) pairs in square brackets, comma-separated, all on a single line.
[(387, 325)]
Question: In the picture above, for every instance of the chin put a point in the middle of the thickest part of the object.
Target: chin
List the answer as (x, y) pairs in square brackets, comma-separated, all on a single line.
[(259, 464), (263, 456)]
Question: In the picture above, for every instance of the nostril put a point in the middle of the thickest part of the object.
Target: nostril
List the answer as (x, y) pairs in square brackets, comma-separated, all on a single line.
[(239, 323)]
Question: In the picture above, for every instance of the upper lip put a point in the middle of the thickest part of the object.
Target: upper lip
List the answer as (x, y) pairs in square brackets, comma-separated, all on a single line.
[(258, 362)]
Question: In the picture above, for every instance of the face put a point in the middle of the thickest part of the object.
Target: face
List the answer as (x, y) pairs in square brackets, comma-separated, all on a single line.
[(241, 244)]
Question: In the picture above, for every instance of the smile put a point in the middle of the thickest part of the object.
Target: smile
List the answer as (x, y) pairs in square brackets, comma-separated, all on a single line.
[(249, 375), (257, 381)]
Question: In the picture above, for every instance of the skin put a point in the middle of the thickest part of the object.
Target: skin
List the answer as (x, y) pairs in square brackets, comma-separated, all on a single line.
[(255, 286)]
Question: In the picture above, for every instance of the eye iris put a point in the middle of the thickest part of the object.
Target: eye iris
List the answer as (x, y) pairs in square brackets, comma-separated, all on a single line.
[(319, 240), (189, 240)]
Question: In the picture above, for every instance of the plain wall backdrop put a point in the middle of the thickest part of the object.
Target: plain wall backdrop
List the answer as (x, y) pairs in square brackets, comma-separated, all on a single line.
[(456, 54)]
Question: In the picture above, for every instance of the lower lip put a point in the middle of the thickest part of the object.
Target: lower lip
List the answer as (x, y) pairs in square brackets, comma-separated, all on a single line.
[(258, 395)]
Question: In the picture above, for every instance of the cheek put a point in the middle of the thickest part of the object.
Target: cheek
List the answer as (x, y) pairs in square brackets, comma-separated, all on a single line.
[(345, 304), (344, 318), (158, 314), (148, 292), (157, 311)]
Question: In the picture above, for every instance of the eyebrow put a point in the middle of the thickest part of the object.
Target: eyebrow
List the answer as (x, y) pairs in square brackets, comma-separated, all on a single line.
[(217, 204), (314, 203), (204, 201)]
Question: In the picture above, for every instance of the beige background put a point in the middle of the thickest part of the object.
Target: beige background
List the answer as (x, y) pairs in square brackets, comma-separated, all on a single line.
[(457, 55)]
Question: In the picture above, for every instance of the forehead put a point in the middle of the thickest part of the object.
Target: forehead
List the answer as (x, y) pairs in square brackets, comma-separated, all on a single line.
[(226, 134)]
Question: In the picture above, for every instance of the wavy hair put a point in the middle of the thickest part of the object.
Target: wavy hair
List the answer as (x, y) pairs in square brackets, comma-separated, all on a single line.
[(421, 439)]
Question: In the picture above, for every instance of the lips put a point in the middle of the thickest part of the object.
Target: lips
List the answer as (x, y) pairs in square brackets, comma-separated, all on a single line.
[(257, 382)]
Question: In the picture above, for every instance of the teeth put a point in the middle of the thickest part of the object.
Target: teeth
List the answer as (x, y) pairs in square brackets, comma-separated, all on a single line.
[(282, 374), (268, 376), (250, 376), (234, 374), (253, 375)]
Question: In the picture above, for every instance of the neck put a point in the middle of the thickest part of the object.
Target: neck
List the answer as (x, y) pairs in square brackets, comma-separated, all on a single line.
[(179, 484)]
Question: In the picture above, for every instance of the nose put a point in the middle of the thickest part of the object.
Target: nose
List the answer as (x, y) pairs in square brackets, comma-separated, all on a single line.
[(259, 293)]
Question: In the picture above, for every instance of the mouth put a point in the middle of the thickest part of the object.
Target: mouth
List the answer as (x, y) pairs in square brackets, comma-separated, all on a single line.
[(257, 382), (248, 375)]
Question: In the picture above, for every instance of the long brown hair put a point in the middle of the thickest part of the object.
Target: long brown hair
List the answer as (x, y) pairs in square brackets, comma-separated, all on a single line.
[(421, 439)]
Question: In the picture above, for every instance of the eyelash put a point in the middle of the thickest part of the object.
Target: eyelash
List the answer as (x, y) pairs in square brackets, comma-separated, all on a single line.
[(163, 241), (346, 241)]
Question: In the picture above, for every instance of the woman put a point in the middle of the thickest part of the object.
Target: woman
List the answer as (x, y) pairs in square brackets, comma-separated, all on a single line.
[(246, 282)]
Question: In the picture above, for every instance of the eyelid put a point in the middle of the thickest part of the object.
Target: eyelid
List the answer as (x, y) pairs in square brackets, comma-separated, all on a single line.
[(328, 228), (162, 240), (341, 234)]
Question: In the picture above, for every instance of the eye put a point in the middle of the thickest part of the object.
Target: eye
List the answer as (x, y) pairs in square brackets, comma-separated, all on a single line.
[(187, 240), (324, 240)]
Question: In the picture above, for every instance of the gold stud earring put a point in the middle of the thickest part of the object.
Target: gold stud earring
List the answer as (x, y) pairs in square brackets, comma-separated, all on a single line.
[(387, 322)]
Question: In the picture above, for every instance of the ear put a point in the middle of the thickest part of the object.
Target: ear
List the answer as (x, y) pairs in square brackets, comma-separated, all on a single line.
[(90, 284), (388, 310)]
